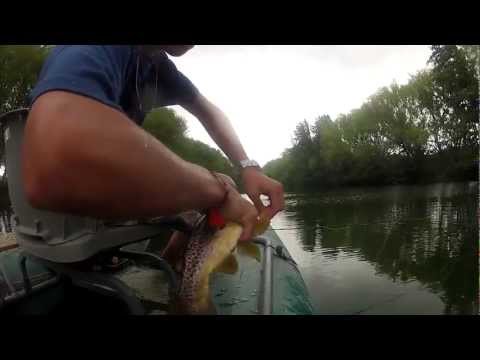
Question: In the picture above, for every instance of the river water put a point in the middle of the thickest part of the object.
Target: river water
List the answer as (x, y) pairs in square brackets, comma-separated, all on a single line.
[(389, 250)]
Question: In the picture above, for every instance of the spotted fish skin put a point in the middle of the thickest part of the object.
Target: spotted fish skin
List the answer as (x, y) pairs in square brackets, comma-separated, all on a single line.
[(205, 252), (196, 252)]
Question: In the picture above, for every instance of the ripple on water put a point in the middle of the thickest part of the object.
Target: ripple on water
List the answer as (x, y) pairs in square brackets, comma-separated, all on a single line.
[(355, 247)]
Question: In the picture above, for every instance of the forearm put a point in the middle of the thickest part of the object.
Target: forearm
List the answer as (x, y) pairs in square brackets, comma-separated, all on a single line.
[(255, 182), (219, 128), (104, 165)]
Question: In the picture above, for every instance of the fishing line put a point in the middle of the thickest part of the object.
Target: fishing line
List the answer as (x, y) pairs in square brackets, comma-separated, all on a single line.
[(394, 298), (283, 256), (307, 227), (316, 227), (343, 226), (279, 251)]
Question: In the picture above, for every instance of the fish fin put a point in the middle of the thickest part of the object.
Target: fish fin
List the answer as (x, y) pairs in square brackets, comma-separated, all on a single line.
[(249, 249), (262, 224), (228, 266)]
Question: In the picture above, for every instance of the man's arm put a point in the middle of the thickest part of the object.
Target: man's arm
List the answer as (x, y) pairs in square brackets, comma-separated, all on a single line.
[(86, 158), (220, 129)]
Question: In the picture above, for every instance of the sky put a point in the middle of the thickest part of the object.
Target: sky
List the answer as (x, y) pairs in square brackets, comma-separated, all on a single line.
[(265, 90)]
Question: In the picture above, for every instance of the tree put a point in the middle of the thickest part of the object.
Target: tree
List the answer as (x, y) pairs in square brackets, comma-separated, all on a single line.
[(397, 122), (19, 69), (472, 53), (426, 129), (302, 135), (171, 130), (332, 153), (166, 126), (455, 96)]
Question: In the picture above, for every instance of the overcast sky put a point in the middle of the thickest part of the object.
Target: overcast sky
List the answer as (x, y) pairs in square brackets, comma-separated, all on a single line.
[(267, 90)]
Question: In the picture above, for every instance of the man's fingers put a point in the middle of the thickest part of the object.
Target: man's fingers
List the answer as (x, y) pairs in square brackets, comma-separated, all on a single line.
[(247, 232), (257, 202), (228, 179), (277, 201), (248, 226)]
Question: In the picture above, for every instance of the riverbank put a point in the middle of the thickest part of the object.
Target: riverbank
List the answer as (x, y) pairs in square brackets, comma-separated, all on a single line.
[(334, 188)]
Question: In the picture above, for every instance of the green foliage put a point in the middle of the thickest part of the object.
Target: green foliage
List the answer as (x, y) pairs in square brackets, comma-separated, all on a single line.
[(472, 53), (171, 130), (167, 127), (425, 130), (19, 68), (199, 153), (455, 96)]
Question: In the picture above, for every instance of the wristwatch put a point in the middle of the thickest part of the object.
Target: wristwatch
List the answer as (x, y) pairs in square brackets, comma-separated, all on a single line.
[(249, 163)]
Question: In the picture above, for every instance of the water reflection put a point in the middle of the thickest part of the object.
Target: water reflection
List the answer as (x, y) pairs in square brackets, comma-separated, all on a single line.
[(424, 234), (392, 250)]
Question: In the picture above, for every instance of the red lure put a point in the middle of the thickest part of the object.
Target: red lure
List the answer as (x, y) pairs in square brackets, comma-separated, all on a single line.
[(215, 219)]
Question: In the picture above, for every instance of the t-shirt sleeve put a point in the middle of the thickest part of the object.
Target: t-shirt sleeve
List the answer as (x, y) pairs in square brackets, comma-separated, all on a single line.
[(179, 88), (187, 91), (97, 72)]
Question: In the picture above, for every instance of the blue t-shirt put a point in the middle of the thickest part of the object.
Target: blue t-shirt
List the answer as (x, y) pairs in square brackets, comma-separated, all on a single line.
[(122, 77)]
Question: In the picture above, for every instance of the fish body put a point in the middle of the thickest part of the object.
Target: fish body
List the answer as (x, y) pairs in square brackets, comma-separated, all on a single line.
[(206, 252)]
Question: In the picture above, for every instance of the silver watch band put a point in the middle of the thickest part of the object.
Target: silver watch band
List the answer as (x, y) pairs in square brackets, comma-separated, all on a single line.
[(248, 163)]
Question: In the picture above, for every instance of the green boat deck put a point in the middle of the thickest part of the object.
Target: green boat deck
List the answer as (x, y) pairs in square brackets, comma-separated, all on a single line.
[(271, 284), (243, 292)]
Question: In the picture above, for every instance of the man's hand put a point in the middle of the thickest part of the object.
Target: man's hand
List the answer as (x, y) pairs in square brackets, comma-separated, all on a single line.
[(227, 179), (256, 183), (241, 211)]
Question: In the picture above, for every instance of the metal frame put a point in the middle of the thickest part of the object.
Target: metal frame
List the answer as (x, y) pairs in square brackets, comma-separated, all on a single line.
[(28, 288), (157, 262), (104, 283), (265, 303)]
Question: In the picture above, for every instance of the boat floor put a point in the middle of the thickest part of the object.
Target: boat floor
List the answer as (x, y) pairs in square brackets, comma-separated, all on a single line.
[(232, 294), (7, 241)]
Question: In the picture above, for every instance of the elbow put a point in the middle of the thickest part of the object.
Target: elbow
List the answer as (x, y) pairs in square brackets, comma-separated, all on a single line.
[(35, 192), (40, 187), (42, 159)]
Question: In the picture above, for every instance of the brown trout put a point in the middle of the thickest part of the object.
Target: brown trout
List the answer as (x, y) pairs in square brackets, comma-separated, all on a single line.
[(209, 251)]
